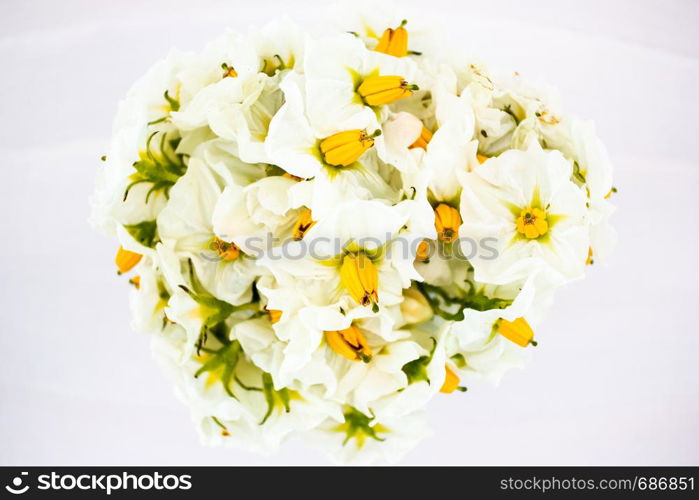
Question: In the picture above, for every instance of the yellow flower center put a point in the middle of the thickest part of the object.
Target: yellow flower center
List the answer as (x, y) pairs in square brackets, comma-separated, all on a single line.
[(378, 90), (227, 251), (447, 221), (394, 42), (481, 159), (303, 224), (518, 331), (126, 260), (350, 343), (344, 148), (359, 276), (423, 140), (532, 223)]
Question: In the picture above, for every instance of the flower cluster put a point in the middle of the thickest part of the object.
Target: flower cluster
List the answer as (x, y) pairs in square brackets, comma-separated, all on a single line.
[(324, 232)]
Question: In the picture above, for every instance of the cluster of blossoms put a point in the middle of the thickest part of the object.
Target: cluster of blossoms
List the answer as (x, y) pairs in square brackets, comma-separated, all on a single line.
[(323, 232)]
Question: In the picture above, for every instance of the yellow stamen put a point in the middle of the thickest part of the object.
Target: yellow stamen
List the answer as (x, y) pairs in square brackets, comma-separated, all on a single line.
[(447, 221), (518, 331), (227, 251), (451, 381), (378, 90), (394, 42), (287, 175), (589, 260), (532, 223), (423, 251), (344, 148), (126, 260), (349, 343), (359, 276), (136, 281), (481, 159), (229, 71), (423, 140), (274, 315), (303, 224)]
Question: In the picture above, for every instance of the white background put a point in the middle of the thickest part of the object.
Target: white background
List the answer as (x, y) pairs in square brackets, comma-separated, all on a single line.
[(615, 379)]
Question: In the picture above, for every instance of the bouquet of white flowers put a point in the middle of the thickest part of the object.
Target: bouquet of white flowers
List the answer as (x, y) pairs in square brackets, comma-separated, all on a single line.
[(325, 231)]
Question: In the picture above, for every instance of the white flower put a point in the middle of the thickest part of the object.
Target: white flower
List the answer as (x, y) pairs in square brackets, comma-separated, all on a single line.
[(185, 226), (294, 143), (324, 232), (351, 243), (495, 332), (148, 299), (269, 207), (248, 411), (363, 440), (242, 93), (533, 214), (335, 67), (452, 149), (596, 170)]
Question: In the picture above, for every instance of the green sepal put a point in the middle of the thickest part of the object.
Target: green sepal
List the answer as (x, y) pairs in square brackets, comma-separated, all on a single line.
[(357, 425), (416, 370), (161, 168), (227, 357), (459, 360), (144, 232), (174, 103), (441, 301), (273, 397), (577, 173)]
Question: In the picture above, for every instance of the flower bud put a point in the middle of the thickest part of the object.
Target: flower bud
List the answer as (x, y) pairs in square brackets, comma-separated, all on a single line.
[(378, 90)]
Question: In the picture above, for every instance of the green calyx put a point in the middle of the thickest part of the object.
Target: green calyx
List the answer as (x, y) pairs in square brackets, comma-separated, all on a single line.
[(578, 174), (273, 397), (214, 311), (173, 104), (416, 370), (161, 167), (459, 360), (358, 426), (144, 232), (276, 64), (225, 358), (452, 307)]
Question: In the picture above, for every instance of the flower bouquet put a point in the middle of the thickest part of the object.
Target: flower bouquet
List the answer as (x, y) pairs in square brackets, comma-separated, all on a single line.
[(324, 231)]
